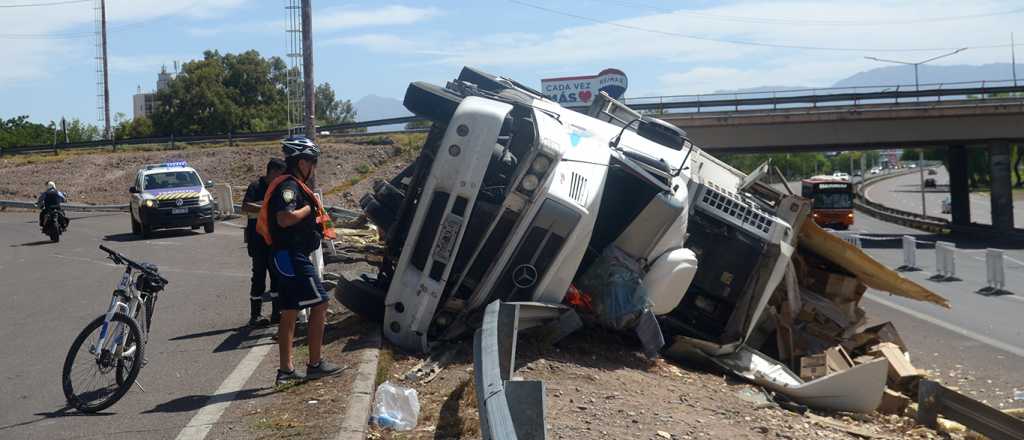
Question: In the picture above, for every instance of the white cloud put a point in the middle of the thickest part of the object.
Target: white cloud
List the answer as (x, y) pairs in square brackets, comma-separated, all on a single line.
[(40, 58), (346, 18), (685, 65)]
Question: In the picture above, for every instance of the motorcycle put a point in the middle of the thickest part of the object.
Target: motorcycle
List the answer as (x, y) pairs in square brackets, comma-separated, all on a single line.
[(54, 224)]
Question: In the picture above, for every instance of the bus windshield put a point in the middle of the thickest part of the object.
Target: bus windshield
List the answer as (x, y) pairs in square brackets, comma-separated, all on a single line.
[(833, 200)]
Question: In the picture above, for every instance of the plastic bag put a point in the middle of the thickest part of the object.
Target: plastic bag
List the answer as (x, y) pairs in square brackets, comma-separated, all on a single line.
[(614, 283), (395, 407)]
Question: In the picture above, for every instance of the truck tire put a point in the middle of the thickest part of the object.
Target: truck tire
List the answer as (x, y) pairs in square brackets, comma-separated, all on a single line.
[(360, 297)]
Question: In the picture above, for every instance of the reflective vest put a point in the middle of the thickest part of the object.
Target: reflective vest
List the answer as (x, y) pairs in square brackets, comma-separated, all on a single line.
[(322, 218)]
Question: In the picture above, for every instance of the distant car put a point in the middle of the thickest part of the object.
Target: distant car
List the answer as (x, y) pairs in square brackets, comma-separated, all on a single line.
[(841, 175), (929, 183), (913, 166), (947, 206), (857, 174), (874, 171), (931, 172)]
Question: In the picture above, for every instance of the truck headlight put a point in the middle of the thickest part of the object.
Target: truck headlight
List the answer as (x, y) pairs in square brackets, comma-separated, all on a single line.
[(149, 203), (204, 199), (530, 183), (540, 165)]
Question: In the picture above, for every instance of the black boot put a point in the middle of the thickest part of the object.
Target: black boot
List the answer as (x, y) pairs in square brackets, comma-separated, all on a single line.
[(255, 313), (275, 312)]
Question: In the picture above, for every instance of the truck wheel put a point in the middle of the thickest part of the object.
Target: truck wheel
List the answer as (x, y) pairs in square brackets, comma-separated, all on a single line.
[(208, 228), (360, 297), (136, 228)]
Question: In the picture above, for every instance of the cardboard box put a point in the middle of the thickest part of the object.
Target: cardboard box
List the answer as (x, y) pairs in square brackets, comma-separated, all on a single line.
[(893, 403), (823, 364), (900, 368)]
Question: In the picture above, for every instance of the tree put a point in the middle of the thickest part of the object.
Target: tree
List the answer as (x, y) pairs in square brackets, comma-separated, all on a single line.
[(78, 131), (140, 127), (224, 93), (19, 131), (331, 111), (422, 123)]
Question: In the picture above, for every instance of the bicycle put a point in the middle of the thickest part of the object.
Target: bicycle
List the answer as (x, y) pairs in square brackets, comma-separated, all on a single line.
[(119, 346)]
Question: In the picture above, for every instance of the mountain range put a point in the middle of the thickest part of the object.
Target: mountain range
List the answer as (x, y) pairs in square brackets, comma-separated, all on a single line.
[(378, 107)]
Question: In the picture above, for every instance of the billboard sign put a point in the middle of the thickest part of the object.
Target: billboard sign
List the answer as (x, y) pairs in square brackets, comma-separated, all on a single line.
[(580, 91)]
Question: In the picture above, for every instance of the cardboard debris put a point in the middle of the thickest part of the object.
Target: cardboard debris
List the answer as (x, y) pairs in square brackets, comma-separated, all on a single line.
[(875, 335), (866, 269), (893, 402), (900, 368), (831, 361)]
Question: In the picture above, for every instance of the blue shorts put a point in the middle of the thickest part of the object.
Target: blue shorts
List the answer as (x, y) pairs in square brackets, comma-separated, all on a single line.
[(297, 283)]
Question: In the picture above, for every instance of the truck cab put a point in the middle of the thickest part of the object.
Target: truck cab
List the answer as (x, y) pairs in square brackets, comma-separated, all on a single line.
[(170, 195)]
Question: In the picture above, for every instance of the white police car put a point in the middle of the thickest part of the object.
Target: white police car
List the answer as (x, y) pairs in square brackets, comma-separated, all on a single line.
[(170, 195)]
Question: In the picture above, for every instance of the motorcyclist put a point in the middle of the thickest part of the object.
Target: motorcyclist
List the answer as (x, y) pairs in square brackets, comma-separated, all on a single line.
[(51, 200)]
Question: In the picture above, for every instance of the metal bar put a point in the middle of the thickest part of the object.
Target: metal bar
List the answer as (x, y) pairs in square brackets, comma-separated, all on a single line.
[(935, 399)]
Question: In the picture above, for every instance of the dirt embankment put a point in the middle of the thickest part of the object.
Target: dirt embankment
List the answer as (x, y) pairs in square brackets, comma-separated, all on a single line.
[(345, 171)]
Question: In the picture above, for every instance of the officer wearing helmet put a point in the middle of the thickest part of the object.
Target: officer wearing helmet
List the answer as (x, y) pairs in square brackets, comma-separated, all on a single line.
[(292, 221), (49, 200)]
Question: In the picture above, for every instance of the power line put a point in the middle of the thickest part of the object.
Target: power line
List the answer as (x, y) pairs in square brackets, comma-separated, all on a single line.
[(732, 41), (33, 5), (796, 21)]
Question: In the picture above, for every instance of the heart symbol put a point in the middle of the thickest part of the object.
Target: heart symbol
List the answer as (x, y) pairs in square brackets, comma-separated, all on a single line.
[(585, 96)]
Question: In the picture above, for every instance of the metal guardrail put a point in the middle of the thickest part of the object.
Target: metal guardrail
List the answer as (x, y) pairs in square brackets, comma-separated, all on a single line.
[(513, 409), (935, 399), (892, 215), (835, 95), (78, 207), (230, 137)]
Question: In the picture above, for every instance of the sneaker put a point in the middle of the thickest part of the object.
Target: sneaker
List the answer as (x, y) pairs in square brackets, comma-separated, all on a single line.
[(322, 369), (285, 377), (258, 321)]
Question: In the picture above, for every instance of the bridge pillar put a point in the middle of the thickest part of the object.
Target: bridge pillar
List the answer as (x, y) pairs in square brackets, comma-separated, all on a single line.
[(959, 191), (1002, 186)]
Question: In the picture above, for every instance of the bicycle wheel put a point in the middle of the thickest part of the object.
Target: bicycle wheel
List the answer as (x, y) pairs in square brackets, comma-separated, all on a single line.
[(93, 382)]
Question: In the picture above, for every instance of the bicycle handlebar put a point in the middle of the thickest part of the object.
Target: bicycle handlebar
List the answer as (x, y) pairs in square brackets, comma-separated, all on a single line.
[(121, 259)]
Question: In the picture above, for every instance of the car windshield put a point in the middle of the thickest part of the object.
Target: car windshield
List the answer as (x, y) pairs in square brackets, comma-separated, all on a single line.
[(833, 200), (171, 179)]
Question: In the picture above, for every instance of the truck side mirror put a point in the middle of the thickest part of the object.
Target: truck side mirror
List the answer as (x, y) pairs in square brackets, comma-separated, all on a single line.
[(133, 190)]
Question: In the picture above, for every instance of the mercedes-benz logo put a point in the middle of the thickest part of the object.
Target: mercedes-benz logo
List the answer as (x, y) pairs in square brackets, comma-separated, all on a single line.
[(179, 202), (524, 276)]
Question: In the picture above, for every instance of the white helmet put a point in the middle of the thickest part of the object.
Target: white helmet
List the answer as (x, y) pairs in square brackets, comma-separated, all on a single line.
[(51, 185)]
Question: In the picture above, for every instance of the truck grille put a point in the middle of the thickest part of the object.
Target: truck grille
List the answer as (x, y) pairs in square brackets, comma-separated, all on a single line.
[(186, 202), (718, 199), (537, 252), (578, 188)]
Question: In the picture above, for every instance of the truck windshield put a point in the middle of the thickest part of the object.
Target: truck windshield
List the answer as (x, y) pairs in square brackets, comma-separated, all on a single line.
[(833, 200), (171, 179)]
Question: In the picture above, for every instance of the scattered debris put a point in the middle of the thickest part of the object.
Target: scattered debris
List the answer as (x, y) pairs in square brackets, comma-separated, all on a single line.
[(395, 407)]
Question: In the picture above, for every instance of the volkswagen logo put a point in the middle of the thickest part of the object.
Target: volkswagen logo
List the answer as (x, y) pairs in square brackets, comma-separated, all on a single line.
[(179, 202), (524, 276)]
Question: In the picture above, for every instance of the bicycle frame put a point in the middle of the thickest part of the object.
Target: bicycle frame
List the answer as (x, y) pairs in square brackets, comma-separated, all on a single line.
[(125, 290)]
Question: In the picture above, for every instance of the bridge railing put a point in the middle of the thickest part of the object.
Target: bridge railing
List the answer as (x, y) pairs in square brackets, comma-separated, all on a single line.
[(831, 96)]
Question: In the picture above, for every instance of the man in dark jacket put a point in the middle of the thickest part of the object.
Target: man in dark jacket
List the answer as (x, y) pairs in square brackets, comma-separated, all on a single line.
[(258, 249), (51, 200)]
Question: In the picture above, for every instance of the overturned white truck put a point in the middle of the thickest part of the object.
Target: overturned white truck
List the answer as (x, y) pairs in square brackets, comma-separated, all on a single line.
[(514, 197)]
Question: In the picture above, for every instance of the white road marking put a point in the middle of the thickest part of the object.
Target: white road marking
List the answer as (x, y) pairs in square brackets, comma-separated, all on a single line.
[(948, 326), (203, 421)]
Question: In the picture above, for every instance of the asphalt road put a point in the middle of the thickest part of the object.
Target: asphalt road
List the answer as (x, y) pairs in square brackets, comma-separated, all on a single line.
[(904, 192), (978, 344), (50, 291)]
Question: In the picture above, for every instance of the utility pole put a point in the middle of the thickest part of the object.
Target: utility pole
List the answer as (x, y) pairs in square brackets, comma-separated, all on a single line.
[(920, 167), (106, 75), (1013, 59), (307, 69), (917, 86)]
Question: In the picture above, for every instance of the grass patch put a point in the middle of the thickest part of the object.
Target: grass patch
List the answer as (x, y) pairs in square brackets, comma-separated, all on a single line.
[(363, 169), (458, 417), (385, 363)]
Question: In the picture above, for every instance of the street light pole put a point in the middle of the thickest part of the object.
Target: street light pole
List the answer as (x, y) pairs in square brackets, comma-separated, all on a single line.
[(917, 86)]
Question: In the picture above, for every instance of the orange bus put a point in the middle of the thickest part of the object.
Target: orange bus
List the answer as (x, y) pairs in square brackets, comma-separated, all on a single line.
[(832, 201)]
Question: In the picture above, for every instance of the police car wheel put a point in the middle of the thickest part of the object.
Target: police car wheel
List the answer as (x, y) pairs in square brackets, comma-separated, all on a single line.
[(146, 230), (208, 228)]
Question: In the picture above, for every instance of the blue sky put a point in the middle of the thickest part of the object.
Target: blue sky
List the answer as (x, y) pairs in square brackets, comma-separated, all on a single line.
[(664, 46)]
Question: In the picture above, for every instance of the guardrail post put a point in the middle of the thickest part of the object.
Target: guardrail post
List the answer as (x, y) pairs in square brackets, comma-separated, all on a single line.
[(945, 261), (909, 254)]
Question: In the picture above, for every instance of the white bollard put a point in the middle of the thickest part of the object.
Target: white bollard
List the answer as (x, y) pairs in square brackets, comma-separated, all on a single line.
[(994, 265), (945, 261), (225, 202), (909, 253), (849, 237)]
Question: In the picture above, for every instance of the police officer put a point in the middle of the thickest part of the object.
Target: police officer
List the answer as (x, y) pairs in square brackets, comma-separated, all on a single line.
[(257, 248), (293, 222)]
